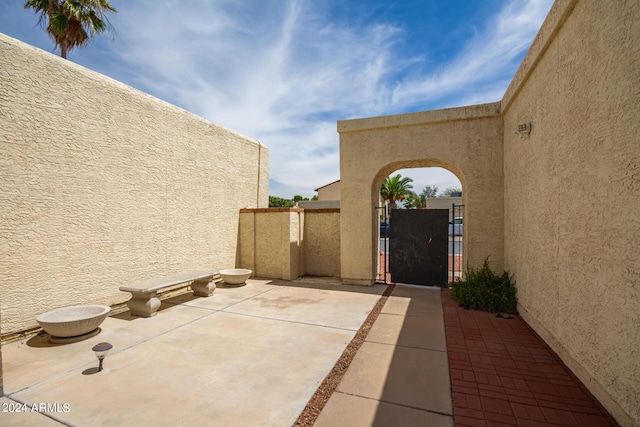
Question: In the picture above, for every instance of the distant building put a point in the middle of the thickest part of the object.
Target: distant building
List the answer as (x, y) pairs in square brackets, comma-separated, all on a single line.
[(328, 197), (445, 203), (330, 191)]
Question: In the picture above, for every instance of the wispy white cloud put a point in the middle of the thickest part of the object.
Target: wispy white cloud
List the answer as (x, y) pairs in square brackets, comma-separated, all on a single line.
[(283, 72), (488, 59), (283, 79)]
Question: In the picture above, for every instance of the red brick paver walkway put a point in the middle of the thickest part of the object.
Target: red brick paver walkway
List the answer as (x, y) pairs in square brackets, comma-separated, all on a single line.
[(503, 374)]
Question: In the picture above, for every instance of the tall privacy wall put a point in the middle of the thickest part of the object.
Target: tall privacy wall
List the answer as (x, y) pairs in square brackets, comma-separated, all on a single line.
[(572, 194), (103, 185)]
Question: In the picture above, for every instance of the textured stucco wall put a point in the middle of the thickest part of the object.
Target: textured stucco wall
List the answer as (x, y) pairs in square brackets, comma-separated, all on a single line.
[(286, 243), (569, 225), (572, 194), (103, 185), (467, 141), (271, 242), (322, 242)]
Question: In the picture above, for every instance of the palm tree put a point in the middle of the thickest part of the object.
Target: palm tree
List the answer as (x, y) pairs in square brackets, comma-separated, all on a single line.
[(415, 201), (396, 188), (72, 23)]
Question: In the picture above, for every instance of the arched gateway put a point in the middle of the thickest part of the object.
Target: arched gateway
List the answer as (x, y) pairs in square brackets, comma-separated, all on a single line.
[(467, 141)]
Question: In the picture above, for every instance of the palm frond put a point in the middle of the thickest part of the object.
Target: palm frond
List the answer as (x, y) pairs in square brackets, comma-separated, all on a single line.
[(72, 23)]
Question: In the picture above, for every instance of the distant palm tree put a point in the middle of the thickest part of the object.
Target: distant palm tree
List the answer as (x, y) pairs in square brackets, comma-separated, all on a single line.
[(395, 189), (415, 201), (72, 23)]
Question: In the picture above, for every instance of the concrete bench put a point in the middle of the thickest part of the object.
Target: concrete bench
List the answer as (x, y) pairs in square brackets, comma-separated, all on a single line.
[(144, 300)]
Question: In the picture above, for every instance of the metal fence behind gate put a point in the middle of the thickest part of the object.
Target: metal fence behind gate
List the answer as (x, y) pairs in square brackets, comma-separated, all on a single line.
[(456, 242), (383, 246)]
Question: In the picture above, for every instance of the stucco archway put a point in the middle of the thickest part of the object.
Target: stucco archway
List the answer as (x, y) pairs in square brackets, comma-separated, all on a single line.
[(466, 141)]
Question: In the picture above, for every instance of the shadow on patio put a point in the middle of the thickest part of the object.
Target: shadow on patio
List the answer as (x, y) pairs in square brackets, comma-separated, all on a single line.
[(400, 375)]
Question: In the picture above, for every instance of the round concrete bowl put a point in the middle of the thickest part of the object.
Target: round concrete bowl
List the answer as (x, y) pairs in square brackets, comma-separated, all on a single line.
[(235, 276), (74, 320)]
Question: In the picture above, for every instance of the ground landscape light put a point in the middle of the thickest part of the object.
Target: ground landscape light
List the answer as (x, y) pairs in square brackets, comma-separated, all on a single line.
[(101, 350)]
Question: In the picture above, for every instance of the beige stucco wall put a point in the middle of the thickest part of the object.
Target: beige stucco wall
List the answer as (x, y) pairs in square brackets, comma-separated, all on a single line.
[(286, 243), (271, 242), (322, 242), (466, 141), (103, 185), (572, 194), (445, 203)]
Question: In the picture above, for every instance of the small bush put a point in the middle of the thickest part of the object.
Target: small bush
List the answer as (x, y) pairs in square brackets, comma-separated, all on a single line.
[(484, 290)]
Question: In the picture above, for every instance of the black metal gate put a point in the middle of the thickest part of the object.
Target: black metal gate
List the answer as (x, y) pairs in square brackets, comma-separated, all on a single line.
[(418, 246)]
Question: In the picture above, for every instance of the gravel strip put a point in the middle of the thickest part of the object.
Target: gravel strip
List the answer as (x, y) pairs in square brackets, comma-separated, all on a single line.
[(320, 398)]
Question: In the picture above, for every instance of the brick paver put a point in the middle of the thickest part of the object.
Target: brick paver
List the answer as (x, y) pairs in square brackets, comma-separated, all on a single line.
[(503, 374)]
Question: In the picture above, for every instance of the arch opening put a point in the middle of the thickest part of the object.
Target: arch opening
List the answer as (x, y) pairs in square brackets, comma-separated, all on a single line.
[(435, 184)]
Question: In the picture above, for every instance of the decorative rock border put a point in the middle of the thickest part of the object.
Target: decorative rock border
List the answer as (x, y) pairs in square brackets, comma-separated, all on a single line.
[(330, 383)]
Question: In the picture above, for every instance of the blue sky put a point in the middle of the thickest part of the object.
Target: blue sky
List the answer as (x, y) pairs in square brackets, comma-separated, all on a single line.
[(284, 71)]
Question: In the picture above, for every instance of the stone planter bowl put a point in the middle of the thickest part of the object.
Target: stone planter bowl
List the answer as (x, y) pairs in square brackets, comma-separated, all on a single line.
[(74, 320), (235, 276)]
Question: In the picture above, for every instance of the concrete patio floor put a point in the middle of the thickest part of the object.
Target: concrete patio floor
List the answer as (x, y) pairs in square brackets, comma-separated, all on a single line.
[(255, 355), (250, 355)]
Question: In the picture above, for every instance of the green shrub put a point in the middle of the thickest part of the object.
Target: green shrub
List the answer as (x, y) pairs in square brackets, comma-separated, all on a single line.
[(483, 289)]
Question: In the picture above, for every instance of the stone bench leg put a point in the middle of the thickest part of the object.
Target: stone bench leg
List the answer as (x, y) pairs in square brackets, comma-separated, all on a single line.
[(203, 287), (144, 304)]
